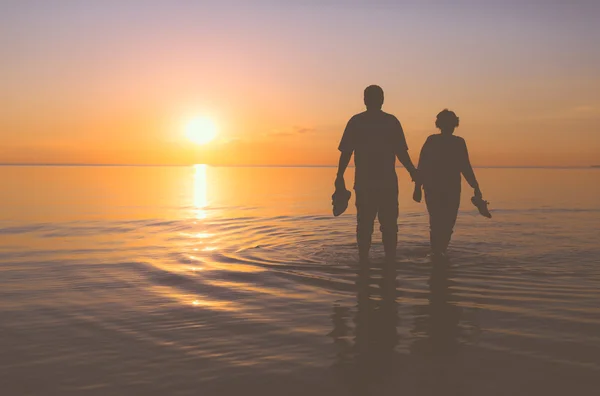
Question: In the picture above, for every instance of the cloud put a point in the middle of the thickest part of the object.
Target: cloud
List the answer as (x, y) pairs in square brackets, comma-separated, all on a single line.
[(304, 130), (278, 133)]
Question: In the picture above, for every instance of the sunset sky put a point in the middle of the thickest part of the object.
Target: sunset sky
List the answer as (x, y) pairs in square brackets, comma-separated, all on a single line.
[(116, 81)]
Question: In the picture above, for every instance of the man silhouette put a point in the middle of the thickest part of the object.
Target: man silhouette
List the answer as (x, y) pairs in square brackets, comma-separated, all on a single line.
[(376, 138)]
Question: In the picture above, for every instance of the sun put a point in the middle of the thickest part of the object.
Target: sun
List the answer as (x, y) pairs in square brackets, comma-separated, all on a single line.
[(201, 130)]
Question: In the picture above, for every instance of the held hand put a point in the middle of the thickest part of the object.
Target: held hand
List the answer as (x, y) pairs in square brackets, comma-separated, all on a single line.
[(418, 193), (416, 176)]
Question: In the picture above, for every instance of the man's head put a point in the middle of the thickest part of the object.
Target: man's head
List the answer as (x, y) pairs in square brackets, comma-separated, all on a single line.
[(446, 121), (373, 97)]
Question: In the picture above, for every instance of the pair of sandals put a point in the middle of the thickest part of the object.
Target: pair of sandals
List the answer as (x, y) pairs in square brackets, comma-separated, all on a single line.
[(341, 197)]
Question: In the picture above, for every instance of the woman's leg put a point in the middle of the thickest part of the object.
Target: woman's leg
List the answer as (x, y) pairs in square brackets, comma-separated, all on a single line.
[(434, 207), (451, 203)]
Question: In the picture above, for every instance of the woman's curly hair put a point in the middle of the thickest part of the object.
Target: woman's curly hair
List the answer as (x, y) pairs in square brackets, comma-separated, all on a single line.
[(446, 119)]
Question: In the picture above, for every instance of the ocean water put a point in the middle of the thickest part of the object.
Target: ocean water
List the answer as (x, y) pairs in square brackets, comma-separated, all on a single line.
[(221, 281)]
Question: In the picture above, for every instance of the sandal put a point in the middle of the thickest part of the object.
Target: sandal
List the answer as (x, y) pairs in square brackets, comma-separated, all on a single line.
[(339, 200), (482, 206)]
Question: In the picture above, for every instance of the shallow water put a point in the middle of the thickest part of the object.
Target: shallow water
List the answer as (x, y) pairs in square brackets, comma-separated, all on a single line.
[(216, 281)]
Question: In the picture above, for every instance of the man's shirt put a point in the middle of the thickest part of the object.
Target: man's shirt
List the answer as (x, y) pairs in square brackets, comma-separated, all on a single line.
[(376, 138)]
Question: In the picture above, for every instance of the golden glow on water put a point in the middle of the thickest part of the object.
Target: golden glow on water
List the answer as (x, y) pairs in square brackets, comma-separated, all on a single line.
[(235, 267), (195, 300), (215, 305), (194, 258), (520, 291), (264, 291)]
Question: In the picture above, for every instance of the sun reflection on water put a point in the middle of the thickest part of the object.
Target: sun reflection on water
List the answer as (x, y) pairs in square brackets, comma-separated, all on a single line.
[(200, 191), (201, 204)]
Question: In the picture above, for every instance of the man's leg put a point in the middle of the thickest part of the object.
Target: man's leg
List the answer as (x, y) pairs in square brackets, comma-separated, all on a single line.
[(388, 220), (366, 210)]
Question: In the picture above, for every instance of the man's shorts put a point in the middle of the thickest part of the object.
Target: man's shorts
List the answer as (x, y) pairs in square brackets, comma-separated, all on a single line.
[(380, 203)]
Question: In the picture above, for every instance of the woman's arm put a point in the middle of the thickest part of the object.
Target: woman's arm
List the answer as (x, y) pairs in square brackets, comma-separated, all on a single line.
[(467, 171), (423, 160)]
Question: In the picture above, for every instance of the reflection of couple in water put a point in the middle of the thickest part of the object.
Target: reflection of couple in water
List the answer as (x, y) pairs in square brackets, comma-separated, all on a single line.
[(365, 359), (376, 139)]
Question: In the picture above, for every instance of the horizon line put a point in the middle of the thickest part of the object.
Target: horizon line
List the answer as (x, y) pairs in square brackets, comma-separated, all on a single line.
[(33, 164)]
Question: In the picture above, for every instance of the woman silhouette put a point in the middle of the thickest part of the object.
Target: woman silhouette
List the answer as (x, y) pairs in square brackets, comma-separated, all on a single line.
[(443, 158)]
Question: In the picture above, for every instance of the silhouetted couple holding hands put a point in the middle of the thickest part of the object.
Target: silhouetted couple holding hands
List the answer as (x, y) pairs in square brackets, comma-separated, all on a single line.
[(376, 139)]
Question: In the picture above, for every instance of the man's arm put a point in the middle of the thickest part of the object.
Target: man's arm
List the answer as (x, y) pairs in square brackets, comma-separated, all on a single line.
[(343, 164), (401, 149), (346, 147), (424, 160)]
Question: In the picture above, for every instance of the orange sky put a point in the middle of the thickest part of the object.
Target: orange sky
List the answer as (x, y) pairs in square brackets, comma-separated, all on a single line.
[(114, 83)]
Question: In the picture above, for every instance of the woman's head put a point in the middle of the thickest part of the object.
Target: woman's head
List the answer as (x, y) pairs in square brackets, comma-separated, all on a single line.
[(446, 121)]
